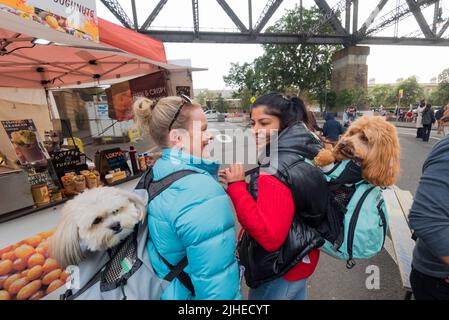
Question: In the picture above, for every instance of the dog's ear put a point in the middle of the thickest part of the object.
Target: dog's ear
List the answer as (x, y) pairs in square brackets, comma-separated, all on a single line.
[(139, 198), (64, 245)]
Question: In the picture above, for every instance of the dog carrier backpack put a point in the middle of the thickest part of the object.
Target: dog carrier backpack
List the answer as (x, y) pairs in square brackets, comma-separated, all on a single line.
[(125, 271), (356, 222)]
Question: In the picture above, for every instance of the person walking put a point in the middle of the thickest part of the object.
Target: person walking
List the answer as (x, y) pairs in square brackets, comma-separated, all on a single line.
[(445, 122), (438, 115), (332, 129), (285, 195), (192, 218), (419, 125), (428, 119), (429, 218), (409, 116)]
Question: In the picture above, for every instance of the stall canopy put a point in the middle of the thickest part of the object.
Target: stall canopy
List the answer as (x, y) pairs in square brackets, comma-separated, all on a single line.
[(67, 60)]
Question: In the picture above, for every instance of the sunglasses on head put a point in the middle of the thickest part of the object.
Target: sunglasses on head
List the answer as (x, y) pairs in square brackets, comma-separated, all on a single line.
[(185, 100)]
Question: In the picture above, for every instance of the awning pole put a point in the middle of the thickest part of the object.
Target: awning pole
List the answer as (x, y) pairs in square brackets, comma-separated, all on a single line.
[(52, 107)]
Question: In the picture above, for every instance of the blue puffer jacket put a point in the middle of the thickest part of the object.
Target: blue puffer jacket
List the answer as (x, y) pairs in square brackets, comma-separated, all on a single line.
[(194, 217)]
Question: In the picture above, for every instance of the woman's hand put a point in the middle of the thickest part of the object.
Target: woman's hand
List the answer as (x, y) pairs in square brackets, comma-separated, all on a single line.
[(232, 174)]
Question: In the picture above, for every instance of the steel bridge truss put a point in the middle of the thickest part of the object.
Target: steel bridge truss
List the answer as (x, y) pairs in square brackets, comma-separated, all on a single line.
[(429, 34)]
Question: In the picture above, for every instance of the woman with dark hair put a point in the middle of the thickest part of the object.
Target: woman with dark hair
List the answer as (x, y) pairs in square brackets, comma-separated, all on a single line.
[(285, 196)]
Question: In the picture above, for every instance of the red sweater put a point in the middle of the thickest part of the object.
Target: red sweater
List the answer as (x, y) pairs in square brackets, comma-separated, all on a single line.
[(268, 219)]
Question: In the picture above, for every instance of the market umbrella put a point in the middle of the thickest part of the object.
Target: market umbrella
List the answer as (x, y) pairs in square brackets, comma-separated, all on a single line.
[(121, 53)]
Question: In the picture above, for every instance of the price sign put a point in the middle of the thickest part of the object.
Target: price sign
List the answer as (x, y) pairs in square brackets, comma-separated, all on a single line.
[(38, 178), (42, 177)]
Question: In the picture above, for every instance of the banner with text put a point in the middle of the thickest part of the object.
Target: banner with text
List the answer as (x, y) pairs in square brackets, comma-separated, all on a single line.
[(121, 95), (75, 17)]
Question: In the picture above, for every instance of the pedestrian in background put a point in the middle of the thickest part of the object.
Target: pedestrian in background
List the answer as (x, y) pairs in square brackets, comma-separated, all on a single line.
[(332, 129), (438, 115), (410, 115), (428, 119), (429, 218), (445, 122), (349, 116), (419, 126)]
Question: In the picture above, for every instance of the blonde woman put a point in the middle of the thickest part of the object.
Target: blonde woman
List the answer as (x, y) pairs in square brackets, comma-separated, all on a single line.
[(193, 218)]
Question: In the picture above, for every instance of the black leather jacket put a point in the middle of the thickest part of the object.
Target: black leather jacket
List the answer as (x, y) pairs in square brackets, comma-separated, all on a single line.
[(310, 195)]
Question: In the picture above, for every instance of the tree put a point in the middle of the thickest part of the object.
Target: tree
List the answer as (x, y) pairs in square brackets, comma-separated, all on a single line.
[(245, 98), (243, 77), (440, 97), (307, 68), (382, 95), (220, 104), (351, 97), (344, 98), (444, 76), (204, 96), (328, 99), (412, 91)]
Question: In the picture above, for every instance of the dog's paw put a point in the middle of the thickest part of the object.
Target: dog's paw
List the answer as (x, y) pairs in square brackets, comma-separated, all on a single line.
[(324, 158)]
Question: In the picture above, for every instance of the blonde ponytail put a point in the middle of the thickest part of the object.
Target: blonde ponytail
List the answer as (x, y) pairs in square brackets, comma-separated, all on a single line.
[(154, 118), (143, 111)]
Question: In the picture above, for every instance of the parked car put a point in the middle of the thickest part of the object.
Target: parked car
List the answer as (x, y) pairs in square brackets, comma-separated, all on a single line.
[(214, 115)]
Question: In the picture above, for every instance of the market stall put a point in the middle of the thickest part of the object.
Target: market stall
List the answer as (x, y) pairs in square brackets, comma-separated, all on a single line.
[(42, 50)]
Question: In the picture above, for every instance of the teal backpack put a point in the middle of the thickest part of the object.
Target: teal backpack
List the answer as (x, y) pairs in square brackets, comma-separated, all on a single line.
[(356, 223)]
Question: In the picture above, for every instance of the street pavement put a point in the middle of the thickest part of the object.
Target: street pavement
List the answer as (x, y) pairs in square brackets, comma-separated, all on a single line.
[(332, 280)]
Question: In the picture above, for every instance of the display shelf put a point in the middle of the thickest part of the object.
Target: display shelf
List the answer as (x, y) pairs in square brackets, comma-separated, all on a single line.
[(34, 209)]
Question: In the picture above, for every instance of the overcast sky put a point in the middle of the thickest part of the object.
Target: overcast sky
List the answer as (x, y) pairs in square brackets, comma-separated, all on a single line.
[(385, 63)]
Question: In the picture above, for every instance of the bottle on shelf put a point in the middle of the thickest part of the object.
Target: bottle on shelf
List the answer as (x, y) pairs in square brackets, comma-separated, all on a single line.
[(132, 157)]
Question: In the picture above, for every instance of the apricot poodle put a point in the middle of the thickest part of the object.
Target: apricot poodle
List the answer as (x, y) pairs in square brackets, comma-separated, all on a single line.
[(374, 143)]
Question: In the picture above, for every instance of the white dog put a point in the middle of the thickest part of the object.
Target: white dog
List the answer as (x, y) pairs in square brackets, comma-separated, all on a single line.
[(96, 220)]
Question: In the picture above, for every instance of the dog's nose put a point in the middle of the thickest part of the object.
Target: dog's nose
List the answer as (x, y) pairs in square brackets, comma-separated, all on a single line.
[(116, 227)]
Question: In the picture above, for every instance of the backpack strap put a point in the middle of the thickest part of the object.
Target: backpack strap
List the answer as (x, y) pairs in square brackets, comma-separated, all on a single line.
[(155, 188), (177, 271), (145, 180), (251, 171)]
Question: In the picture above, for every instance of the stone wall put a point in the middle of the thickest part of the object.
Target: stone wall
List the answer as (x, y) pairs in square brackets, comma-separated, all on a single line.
[(350, 69)]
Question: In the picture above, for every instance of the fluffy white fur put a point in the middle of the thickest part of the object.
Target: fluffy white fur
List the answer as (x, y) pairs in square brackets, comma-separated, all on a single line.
[(97, 219)]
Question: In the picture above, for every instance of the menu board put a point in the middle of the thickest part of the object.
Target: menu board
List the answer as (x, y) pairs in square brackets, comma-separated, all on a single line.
[(26, 142), (112, 159), (68, 161)]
